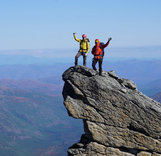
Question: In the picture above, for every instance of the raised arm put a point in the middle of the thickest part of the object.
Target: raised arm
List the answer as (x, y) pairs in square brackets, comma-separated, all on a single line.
[(78, 40), (105, 45)]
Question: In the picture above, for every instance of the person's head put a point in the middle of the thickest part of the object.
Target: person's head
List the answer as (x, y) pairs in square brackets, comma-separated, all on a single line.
[(97, 41), (84, 36)]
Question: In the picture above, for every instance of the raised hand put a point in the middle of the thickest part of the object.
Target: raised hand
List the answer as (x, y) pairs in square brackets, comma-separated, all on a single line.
[(109, 39)]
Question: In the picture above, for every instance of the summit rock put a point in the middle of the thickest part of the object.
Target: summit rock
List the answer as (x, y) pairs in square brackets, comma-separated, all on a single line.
[(118, 119)]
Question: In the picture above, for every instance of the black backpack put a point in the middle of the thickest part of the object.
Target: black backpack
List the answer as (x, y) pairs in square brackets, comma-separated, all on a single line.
[(101, 43)]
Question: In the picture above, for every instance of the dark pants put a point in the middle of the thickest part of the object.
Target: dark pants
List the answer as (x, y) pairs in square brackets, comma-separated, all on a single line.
[(84, 58), (100, 65)]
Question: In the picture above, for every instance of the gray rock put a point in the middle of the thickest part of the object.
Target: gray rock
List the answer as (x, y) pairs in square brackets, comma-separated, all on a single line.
[(117, 118), (127, 83), (123, 90), (112, 74)]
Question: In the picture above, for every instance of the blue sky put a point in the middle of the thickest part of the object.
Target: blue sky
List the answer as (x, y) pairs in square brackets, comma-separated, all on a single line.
[(48, 24)]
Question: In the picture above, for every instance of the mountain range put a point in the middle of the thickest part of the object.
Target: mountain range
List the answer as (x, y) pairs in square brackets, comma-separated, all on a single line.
[(157, 97), (34, 86), (33, 120)]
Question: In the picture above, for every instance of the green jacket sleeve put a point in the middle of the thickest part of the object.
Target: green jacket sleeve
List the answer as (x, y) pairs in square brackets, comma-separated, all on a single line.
[(78, 40)]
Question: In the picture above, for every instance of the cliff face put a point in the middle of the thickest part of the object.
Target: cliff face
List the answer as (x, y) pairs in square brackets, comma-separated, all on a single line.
[(118, 119)]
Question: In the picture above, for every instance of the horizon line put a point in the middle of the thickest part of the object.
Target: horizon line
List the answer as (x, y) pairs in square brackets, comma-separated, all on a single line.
[(140, 46)]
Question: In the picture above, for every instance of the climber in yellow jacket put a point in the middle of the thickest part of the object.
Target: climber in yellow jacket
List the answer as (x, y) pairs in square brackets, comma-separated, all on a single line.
[(84, 48)]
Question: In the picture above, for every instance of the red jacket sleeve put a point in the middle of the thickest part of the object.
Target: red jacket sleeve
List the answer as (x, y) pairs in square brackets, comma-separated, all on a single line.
[(105, 45)]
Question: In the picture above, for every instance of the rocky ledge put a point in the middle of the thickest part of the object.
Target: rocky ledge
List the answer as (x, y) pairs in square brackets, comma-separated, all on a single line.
[(118, 119)]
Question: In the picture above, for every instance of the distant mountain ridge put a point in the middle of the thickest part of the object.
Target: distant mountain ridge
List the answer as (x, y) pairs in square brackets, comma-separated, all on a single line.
[(32, 119), (31, 71), (33, 85), (23, 88), (140, 71), (41, 56), (152, 88), (157, 97)]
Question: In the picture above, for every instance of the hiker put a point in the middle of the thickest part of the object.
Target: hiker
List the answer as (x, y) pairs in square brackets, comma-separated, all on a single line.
[(98, 52), (84, 48)]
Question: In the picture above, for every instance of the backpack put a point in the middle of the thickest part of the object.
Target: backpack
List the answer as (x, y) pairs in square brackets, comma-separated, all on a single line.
[(87, 39), (98, 53), (101, 43)]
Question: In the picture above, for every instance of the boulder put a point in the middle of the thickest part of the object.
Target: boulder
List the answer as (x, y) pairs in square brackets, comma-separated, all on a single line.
[(117, 118)]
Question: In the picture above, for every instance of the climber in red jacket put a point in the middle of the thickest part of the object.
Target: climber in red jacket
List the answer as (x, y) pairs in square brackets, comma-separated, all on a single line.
[(98, 52)]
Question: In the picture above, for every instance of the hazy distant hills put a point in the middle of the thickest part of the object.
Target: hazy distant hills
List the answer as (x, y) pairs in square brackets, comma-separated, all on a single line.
[(145, 73), (140, 71), (50, 56), (32, 71), (152, 87), (34, 86), (33, 119), (157, 97)]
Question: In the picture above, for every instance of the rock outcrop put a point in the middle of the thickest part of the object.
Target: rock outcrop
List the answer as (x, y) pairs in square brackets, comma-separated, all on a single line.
[(118, 119)]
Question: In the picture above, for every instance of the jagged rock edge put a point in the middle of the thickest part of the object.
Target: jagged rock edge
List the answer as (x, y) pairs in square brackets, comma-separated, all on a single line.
[(86, 102), (133, 102), (121, 149)]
